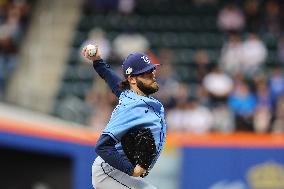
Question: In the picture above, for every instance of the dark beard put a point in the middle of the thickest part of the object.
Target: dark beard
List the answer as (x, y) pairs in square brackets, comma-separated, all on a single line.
[(147, 90)]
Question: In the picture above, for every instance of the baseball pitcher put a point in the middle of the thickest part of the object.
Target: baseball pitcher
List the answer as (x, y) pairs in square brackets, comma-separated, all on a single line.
[(133, 139)]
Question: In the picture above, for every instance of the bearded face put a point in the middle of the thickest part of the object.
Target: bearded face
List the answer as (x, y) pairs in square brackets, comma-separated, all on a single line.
[(147, 87)]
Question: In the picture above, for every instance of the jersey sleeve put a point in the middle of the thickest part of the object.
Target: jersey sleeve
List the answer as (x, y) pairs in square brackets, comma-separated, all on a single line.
[(105, 148), (111, 78)]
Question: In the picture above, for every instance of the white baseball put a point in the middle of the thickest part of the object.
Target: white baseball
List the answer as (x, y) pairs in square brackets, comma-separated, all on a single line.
[(92, 50)]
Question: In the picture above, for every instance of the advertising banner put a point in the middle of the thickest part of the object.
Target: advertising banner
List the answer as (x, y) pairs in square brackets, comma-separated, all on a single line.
[(236, 161), (232, 168)]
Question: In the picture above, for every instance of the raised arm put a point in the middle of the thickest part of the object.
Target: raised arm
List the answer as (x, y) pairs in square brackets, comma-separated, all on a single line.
[(104, 70)]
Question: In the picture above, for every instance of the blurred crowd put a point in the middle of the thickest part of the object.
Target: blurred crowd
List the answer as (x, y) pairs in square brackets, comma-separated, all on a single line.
[(13, 21), (239, 92)]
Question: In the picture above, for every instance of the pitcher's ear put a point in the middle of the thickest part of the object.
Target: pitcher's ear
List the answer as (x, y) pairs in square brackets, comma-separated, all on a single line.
[(131, 80)]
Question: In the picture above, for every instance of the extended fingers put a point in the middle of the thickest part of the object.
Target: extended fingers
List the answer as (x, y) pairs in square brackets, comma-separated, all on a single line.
[(85, 52)]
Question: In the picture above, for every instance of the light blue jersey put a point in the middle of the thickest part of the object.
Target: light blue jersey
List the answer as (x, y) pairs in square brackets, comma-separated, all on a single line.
[(112, 169), (135, 111)]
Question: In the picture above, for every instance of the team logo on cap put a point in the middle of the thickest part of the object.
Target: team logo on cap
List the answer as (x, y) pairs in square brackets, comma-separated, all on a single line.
[(146, 59), (129, 70)]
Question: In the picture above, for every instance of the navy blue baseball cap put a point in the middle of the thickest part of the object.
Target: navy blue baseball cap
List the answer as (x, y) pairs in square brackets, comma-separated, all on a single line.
[(137, 63)]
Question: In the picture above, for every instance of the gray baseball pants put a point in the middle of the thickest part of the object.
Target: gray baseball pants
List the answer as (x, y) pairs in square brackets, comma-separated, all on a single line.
[(105, 176)]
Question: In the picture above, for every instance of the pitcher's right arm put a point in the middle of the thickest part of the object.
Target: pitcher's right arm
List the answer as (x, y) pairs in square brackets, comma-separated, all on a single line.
[(104, 70)]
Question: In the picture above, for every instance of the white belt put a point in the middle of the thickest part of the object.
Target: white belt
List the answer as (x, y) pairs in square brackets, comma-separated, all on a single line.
[(99, 160)]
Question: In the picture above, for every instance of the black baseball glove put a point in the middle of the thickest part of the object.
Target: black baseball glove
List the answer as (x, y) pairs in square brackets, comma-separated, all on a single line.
[(139, 147)]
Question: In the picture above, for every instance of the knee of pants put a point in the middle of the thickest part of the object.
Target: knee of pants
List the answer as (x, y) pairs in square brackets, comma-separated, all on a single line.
[(145, 185), (151, 187)]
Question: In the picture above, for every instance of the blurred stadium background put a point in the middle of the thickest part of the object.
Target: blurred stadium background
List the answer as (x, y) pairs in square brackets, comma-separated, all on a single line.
[(221, 82)]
